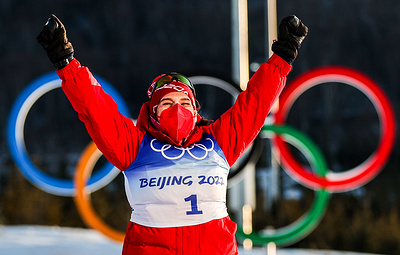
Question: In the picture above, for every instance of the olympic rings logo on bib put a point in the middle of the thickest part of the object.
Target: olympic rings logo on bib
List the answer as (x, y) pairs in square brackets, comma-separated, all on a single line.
[(181, 150)]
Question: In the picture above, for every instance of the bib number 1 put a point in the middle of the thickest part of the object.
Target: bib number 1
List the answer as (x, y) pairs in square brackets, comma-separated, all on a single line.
[(193, 203)]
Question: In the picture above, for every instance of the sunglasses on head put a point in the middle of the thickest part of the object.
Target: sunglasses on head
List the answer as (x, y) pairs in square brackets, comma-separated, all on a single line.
[(168, 78)]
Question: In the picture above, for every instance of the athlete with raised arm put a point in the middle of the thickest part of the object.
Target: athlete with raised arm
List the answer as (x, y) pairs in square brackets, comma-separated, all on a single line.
[(175, 163)]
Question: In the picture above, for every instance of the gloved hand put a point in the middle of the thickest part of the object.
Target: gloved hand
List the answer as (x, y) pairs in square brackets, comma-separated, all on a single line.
[(291, 34), (53, 39)]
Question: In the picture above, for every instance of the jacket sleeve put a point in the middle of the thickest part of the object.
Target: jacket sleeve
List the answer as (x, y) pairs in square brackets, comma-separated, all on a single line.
[(237, 128), (114, 134)]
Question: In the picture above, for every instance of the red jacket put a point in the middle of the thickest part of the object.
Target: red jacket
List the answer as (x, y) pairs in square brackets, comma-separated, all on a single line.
[(119, 140)]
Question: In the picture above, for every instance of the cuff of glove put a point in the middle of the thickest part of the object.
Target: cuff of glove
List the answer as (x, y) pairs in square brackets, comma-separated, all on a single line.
[(64, 62), (70, 70), (284, 50), (288, 59)]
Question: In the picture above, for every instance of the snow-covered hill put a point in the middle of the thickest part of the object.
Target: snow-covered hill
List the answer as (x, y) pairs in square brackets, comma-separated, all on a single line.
[(42, 240)]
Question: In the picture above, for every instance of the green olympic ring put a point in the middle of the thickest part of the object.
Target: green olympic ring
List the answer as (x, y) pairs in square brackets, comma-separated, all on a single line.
[(307, 223)]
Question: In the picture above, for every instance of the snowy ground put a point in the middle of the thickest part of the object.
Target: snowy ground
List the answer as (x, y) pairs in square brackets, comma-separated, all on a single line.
[(35, 240)]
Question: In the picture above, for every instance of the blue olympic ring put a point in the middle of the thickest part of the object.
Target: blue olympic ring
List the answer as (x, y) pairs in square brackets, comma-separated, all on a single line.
[(18, 150)]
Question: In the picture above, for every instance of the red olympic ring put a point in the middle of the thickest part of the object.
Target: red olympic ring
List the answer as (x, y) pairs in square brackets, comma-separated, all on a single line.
[(351, 179)]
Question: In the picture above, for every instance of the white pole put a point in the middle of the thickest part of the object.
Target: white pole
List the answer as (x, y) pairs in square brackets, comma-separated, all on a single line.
[(272, 19), (271, 249), (272, 24), (235, 40), (243, 44), (273, 35)]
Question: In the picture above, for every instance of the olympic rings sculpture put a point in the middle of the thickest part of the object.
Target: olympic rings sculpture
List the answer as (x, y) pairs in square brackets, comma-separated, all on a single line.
[(353, 178), (16, 142), (306, 224), (83, 171), (323, 180)]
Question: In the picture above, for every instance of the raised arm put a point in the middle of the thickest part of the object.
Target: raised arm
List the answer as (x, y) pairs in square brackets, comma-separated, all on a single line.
[(237, 128), (114, 134)]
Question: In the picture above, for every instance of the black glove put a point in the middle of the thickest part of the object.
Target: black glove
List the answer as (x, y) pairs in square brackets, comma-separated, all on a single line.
[(53, 39), (290, 36)]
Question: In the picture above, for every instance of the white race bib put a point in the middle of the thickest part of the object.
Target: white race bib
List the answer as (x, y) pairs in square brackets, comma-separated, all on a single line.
[(171, 186)]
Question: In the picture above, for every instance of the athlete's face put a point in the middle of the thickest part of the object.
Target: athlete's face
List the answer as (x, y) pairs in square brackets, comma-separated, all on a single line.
[(173, 98)]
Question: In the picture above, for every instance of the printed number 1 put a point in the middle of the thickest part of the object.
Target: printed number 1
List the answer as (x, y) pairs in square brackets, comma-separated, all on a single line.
[(193, 203)]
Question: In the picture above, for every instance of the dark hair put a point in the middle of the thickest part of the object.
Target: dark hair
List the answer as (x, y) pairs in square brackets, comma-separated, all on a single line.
[(203, 121)]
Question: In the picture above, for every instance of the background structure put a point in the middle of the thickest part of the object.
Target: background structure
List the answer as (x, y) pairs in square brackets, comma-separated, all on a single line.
[(128, 43)]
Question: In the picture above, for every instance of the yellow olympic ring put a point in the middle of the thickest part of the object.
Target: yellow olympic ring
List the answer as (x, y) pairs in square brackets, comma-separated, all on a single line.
[(83, 171)]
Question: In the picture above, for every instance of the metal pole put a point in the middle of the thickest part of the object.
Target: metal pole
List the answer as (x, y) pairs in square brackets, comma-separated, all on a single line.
[(271, 249), (243, 44), (272, 21), (272, 24), (273, 35), (241, 74)]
